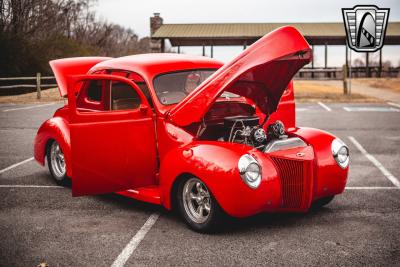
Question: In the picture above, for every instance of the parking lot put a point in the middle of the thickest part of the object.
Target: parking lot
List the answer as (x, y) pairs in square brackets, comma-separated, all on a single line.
[(42, 223)]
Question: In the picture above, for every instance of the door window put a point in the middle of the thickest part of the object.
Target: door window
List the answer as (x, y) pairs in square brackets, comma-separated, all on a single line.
[(123, 97), (107, 95)]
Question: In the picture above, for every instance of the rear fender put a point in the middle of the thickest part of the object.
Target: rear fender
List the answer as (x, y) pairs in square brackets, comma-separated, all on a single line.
[(53, 129)]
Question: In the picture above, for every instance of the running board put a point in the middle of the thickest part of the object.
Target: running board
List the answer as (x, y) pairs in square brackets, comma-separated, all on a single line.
[(150, 194)]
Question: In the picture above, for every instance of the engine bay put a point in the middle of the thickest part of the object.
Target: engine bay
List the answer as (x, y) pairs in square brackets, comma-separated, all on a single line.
[(245, 128)]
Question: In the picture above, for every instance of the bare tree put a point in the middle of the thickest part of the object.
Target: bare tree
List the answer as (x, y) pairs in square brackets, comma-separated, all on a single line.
[(45, 29)]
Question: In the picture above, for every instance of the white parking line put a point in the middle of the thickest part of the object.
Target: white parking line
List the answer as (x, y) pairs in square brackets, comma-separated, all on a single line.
[(394, 104), (135, 241), (377, 164), (29, 107), (371, 109), (371, 188), (324, 106), (15, 165), (28, 186)]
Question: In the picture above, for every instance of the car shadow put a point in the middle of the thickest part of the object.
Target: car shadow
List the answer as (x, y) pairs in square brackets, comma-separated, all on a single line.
[(273, 220), (230, 224)]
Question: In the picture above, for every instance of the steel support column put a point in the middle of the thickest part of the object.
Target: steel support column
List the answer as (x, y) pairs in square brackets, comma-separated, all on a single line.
[(380, 63), (204, 50), (367, 72), (312, 61), (347, 56), (162, 45), (212, 51)]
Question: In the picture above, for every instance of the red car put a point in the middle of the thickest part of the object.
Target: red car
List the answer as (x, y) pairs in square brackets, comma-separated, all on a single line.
[(191, 133)]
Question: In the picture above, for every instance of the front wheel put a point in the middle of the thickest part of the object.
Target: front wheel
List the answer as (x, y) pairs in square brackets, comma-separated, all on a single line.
[(198, 206), (56, 163)]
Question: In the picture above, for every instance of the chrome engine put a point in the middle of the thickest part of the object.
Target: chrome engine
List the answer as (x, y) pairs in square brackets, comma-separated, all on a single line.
[(246, 130)]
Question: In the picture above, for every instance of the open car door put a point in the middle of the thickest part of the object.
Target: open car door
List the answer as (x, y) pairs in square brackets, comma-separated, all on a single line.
[(113, 142)]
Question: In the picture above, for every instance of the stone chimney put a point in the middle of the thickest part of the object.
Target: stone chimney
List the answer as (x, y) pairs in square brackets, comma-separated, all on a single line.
[(156, 45), (155, 23)]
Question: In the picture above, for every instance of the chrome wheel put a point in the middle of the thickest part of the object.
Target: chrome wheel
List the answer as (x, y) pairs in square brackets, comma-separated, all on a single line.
[(57, 161), (196, 200)]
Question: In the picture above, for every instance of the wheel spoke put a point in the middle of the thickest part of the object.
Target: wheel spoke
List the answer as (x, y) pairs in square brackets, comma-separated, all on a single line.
[(194, 197), (200, 209), (198, 187), (207, 207)]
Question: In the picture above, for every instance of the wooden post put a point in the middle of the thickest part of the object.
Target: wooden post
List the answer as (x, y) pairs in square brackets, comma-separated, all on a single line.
[(345, 79), (38, 90)]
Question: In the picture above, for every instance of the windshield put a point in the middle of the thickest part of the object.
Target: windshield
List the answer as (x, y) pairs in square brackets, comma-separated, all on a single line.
[(172, 88)]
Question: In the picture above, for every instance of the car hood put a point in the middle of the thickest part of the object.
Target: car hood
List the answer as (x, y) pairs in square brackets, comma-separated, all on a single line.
[(62, 68), (261, 73)]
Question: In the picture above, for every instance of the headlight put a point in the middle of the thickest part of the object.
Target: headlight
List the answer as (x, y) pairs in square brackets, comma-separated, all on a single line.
[(340, 153), (250, 170)]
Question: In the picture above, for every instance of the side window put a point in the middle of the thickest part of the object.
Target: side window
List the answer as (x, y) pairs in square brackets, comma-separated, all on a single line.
[(123, 96), (91, 97), (94, 91)]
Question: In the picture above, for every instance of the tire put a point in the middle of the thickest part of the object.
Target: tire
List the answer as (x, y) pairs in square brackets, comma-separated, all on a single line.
[(198, 206), (56, 163), (319, 203)]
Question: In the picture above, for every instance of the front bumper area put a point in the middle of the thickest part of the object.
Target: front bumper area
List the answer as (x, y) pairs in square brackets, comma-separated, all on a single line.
[(291, 180)]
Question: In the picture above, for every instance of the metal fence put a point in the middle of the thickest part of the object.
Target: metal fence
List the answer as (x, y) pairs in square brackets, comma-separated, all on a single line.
[(356, 72), (38, 83)]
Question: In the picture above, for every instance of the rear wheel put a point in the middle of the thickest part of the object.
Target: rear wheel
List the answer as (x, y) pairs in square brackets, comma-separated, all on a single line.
[(198, 206), (319, 203), (56, 163)]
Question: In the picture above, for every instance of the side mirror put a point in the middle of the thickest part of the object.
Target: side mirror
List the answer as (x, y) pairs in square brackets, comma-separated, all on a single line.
[(143, 109)]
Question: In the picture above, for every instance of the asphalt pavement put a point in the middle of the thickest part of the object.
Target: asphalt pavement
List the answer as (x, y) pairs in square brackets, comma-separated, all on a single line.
[(42, 223)]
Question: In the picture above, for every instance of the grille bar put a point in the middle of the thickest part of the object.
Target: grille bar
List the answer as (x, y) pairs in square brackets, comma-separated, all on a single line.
[(295, 182)]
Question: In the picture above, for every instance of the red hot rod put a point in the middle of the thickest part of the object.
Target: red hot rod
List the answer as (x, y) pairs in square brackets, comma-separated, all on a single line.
[(191, 133)]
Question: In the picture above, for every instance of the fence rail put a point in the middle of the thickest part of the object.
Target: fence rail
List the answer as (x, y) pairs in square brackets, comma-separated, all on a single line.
[(26, 78), (305, 73), (38, 83), (356, 72)]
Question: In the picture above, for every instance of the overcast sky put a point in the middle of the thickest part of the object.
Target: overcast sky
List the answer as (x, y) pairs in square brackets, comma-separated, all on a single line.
[(136, 14)]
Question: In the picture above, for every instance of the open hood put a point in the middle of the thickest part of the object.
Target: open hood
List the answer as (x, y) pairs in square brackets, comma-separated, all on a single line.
[(62, 68), (261, 73)]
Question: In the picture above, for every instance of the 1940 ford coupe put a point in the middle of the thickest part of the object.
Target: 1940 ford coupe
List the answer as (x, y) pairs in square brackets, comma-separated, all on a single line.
[(191, 133)]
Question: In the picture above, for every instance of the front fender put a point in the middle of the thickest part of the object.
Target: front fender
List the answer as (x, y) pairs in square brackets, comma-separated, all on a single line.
[(330, 178), (215, 163), (56, 128)]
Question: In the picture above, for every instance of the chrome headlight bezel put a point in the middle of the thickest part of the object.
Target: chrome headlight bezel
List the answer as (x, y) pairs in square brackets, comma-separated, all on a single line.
[(250, 170), (340, 153)]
